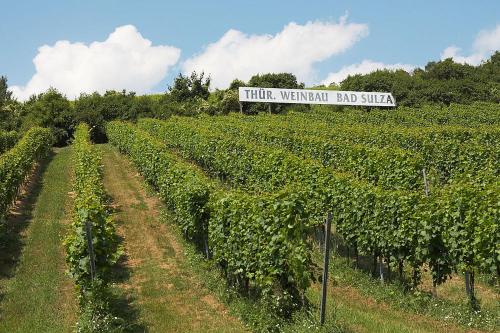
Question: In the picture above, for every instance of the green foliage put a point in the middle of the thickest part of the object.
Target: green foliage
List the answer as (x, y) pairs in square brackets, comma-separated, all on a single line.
[(387, 167), (17, 163), (235, 84), (472, 232), (7, 140), (272, 80), (166, 174), (442, 82), (401, 225), (10, 116), (261, 241), (5, 94), (52, 110), (447, 152), (96, 109), (95, 313), (221, 102), (89, 207), (187, 88)]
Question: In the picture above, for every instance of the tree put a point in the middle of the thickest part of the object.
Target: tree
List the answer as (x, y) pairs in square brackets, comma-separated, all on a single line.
[(442, 82), (50, 109), (8, 107), (490, 69), (400, 83), (5, 94), (235, 84), (188, 88), (95, 109), (275, 80), (271, 80)]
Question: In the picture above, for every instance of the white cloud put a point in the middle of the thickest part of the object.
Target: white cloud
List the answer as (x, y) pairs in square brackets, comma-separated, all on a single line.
[(295, 49), (365, 67), (486, 42), (125, 60)]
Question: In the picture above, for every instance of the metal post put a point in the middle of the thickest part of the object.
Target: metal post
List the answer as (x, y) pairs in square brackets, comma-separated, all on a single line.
[(241, 107), (325, 268), (90, 246), (381, 268)]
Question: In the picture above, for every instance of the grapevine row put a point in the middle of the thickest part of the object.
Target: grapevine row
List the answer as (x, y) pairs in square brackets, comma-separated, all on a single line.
[(380, 135), (7, 140), (445, 158), (92, 245), (17, 163), (259, 240), (473, 115), (388, 167), (400, 225), (89, 208)]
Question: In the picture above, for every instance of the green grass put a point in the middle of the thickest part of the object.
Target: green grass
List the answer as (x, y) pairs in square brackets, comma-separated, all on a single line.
[(418, 302), (160, 291), (37, 295)]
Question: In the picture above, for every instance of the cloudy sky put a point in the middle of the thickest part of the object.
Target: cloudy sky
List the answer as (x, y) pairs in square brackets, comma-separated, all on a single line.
[(86, 46)]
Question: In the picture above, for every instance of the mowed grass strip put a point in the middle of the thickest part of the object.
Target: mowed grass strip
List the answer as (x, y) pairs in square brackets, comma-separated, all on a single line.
[(37, 295), (159, 285)]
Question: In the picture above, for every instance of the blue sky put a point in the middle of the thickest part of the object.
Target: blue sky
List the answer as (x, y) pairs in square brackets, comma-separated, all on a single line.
[(389, 32)]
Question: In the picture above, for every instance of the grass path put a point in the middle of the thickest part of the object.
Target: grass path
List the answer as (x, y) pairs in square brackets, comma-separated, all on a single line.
[(166, 294), (363, 314), (36, 295)]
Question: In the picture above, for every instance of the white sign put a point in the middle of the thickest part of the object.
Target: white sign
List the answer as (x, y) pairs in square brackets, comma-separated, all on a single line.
[(305, 96)]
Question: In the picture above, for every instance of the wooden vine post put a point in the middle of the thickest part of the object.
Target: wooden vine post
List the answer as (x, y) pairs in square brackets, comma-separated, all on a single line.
[(90, 246), (426, 190), (328, 224)]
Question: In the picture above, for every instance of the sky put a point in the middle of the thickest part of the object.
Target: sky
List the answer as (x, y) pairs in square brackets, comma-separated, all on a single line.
[(85, 46)]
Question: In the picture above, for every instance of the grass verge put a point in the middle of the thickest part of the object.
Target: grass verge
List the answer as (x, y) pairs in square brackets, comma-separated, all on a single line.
[(161, 292), (38, 296), (417, 302)]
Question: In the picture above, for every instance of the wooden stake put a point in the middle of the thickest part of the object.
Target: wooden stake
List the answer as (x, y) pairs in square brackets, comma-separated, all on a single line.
[(381, 268), (426, 189), (90, 246), (325, 268), (426, 184)]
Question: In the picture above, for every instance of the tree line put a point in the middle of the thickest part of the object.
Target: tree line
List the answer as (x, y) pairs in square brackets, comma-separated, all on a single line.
[(442, 82)]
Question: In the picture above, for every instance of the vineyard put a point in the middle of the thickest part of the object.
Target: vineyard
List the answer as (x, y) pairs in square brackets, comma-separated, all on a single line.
[(411, 190), (374, 190), (414, 197)]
